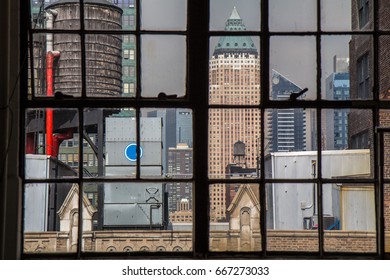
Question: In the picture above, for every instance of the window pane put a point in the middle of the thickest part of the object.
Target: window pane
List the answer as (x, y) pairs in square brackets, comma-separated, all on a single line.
[(335, 67), (384, 72), (104, 65), (57, 64), (383, 15), (349, 218), (234, 137), (51, 208), (105, 15), (336, 15), (347, 143), (166, 141), (235, 218), (293, 66), (234, 71), (299, 15), (245, 14), (53, 15), (164, 15), (361, 67), (115, 136), (45, 130), (291, 143), (163, 65), (292, 217), (129, 217)]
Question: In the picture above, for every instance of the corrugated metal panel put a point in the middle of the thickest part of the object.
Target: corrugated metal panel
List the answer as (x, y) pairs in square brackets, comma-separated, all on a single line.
[(136, 204), (36, 198), (131, 215), (115, 153), (357, 208)]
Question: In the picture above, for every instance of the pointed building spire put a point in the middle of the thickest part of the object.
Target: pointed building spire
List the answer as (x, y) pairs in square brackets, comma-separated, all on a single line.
[(235, 44), (234, 14)]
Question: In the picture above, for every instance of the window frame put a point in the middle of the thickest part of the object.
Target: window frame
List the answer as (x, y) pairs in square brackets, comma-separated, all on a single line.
[(197, 56)]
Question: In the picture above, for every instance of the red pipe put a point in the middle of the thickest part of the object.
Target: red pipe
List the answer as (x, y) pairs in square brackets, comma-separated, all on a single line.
[(49, 92), (58, 138)]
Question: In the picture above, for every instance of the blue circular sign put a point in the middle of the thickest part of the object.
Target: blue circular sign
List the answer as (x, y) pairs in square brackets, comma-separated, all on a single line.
[(131, 152)]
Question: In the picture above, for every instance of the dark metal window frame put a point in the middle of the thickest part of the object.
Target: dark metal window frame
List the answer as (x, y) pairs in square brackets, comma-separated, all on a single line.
[(198, 36)]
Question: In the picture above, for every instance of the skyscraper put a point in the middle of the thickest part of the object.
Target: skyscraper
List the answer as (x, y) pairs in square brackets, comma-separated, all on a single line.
[(337, 88), (286, 127), (179, 166), (234, 79)]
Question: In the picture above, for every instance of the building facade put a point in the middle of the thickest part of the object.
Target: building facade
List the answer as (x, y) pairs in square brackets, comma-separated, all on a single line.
[(234, 78), (337, 88), (179, 166), (286, 127)]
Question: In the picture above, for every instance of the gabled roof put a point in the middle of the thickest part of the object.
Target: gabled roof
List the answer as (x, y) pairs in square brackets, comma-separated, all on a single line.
[(73, 194), (244, 190)]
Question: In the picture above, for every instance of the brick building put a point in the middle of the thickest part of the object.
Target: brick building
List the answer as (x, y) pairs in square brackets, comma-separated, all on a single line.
[(362, 86)]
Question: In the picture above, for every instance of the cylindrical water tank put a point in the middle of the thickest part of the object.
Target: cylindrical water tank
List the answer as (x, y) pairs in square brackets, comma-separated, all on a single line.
[(239, 149), (103, 52)]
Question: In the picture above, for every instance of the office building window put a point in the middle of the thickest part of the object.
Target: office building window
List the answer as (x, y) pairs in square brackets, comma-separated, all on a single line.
[(363, 77), (363, 6)]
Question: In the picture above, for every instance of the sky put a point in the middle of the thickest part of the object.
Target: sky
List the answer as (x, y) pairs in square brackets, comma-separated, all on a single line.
[(293, 57)]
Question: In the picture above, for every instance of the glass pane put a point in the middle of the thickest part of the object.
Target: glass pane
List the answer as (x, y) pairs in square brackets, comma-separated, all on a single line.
[(163, 15), (234, 137), (51, 134), (337, 15), (129, 66), (163, 63), (335, 67), (290, 143), (349, 218), (50, 14), (234, 71), (109, 140), (105, 72), (384, 71), (166, 142), (235, 218), (292, 217), (57, 65), (293, 66), (361, 67), (346, 138), (106, 15), (299, 15), (128, 8), (385, 123), (235, 15), (127, 217), (51, 218), (383, 13)]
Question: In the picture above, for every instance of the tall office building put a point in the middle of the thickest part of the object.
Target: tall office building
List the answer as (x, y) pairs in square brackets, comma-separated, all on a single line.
[(128, 46), (179, 166), (177, 128), (234, 78), (337, 88), (286, 127)]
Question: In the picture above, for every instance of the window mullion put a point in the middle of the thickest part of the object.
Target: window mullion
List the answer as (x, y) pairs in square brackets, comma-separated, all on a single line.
[(197, 55)]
